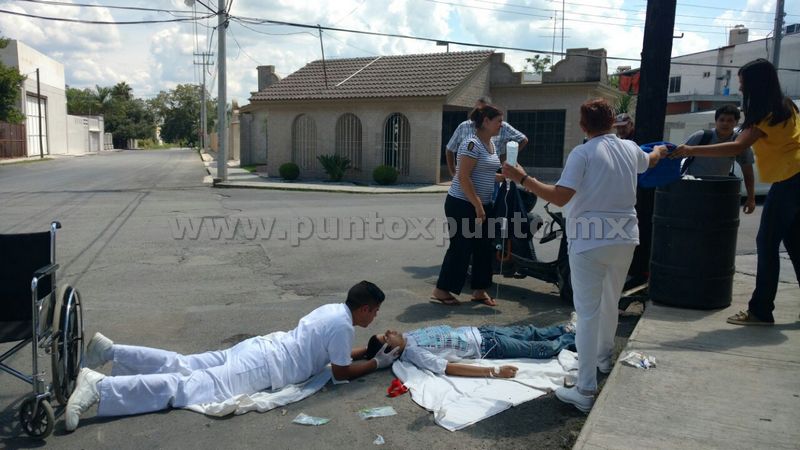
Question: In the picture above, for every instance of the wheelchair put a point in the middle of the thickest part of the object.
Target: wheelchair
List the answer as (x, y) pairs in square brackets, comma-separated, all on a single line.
[(35, 311)]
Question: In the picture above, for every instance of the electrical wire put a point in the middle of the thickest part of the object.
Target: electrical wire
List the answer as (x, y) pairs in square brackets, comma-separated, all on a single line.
[(86, 5), (241, 50), (95, 22), (258, 21)]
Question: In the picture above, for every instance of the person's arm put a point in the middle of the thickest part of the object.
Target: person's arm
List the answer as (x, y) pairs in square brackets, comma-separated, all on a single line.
[(745, 139), (750, 186), (659, 151), (451, 162), (557, 195), (523, 143), (469, 370), (358, 353), (468, 164), (354, 370)]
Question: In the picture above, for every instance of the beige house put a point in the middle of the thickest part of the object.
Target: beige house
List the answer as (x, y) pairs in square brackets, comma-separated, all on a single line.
[(401, 111)]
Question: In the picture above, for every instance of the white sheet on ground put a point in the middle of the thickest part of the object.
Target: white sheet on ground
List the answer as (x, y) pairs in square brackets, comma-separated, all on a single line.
[(457, 402), (265, 400)]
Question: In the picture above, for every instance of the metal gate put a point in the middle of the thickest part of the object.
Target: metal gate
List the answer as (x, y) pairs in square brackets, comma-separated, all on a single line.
[(32, 125), (12, 140), (397, 143)]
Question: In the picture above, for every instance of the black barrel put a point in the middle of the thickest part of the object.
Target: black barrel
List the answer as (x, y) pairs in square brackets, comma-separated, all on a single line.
[(693, 255)]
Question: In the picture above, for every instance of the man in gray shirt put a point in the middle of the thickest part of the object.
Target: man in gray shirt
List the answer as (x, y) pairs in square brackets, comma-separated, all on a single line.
[(725, 120)]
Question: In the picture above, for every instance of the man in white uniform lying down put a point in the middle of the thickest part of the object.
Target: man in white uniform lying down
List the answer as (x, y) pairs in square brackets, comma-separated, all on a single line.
[(146, 379), (436, 348)]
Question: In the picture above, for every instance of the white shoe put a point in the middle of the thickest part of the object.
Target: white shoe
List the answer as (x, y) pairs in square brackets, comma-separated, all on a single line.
[(575, 398), (84, 396), (97, 351)]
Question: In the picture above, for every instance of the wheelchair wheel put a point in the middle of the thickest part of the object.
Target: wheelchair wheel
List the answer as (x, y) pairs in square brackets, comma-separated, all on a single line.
[(67, 348), (37, 425)]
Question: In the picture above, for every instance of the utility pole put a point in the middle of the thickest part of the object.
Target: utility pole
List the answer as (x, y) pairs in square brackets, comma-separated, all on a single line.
[(651, 108), (222, 103), (205, 61), (777, 32), (39, 104)]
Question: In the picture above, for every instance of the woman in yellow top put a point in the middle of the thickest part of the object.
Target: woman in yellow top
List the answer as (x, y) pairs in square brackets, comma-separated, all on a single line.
[(772, 127)]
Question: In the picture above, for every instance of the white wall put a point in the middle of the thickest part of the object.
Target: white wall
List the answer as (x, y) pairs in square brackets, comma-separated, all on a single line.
[(693, 82), (52, 87)]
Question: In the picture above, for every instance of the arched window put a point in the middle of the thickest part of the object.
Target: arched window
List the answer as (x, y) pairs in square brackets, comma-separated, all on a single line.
[(348, 139), (397, 143), (304, 142)]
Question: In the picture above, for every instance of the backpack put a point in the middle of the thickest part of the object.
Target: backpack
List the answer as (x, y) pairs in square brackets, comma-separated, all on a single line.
[(707, 135)]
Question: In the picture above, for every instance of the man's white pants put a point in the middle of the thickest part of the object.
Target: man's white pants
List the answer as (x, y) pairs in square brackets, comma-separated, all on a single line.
[(147, 379), (598, 276)]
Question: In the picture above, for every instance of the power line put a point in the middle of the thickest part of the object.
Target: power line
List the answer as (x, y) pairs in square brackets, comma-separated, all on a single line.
[(85, 5), (258, 21), (96, 22), (230, 30), (639, 23)]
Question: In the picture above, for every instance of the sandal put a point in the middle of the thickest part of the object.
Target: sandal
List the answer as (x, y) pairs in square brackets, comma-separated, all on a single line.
[(747, 318), (488, 301), (449, 301)]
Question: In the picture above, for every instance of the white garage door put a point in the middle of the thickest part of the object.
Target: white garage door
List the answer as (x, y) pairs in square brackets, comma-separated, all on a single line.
[(32, 125)]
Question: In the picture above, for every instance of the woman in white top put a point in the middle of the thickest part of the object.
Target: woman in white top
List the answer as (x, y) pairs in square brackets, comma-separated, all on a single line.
[(598, 192)]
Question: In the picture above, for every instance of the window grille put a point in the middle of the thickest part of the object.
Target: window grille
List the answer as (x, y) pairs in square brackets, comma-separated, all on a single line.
[(348, 139), (304, 142), (397, 143), (545, 132)]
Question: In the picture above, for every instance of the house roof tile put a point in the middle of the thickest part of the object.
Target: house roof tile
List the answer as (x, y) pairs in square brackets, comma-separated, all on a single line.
[(421, 75)]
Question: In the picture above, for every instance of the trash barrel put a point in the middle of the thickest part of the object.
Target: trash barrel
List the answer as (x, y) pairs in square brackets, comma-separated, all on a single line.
[(693, 254)]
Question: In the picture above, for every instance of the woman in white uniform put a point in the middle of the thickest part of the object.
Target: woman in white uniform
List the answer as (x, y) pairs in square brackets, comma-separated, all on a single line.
[(598, 192)]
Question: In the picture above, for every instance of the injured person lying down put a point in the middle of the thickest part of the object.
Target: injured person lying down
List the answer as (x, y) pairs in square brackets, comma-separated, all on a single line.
[(437, 348), (147, 379)]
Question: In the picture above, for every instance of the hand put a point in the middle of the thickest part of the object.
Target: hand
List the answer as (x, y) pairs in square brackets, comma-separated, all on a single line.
[(384, 359), (662, 151), (499, 178), (480, 214), (681, 151), (515, 173), (749, 205), (507, 372)]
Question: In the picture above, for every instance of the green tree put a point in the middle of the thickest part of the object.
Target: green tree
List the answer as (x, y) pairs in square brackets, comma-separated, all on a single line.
[(10, 84), (81, 102), (122, 90), (539, 63), (178, 111)]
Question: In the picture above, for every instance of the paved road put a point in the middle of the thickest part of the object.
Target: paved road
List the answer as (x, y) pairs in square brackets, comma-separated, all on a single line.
[(128, 244)]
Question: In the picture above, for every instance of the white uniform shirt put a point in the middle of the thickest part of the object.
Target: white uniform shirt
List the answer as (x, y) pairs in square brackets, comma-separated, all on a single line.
[(603, 173), (466, 130), (323, 336), (431, 348)]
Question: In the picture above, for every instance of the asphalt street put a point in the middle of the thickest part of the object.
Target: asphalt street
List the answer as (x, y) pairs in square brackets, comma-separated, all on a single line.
[(157, 261)]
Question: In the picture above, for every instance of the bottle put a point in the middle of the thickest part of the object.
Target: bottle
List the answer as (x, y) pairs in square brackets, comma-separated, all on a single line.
[(512, 148)]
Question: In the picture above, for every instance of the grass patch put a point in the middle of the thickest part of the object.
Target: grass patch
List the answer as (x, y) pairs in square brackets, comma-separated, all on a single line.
[(251, 168)]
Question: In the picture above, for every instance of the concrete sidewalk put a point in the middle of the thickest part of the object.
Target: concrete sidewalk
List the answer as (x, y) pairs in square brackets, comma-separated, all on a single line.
[(241, 178), (716, 385)]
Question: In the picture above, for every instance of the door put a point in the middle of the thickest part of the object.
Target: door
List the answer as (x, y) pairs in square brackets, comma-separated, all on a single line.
[(32, 125)]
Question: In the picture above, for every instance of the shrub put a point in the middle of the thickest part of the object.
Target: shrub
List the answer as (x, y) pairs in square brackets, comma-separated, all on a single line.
[(289, 171), (385, 175), (334, 165)]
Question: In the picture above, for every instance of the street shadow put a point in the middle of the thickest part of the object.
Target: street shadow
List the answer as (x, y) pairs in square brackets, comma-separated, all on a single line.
[(732, 338), (421, 273)]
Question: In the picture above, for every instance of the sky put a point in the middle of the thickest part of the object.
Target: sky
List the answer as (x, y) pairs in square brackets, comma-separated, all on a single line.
[(152, 57)]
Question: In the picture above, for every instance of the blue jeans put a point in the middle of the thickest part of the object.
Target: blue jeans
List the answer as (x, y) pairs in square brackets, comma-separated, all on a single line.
[(780, 221), (524, 341)]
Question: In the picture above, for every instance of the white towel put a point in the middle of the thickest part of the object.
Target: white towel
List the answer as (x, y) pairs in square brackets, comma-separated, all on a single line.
[(458, 402), (265, 400)]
